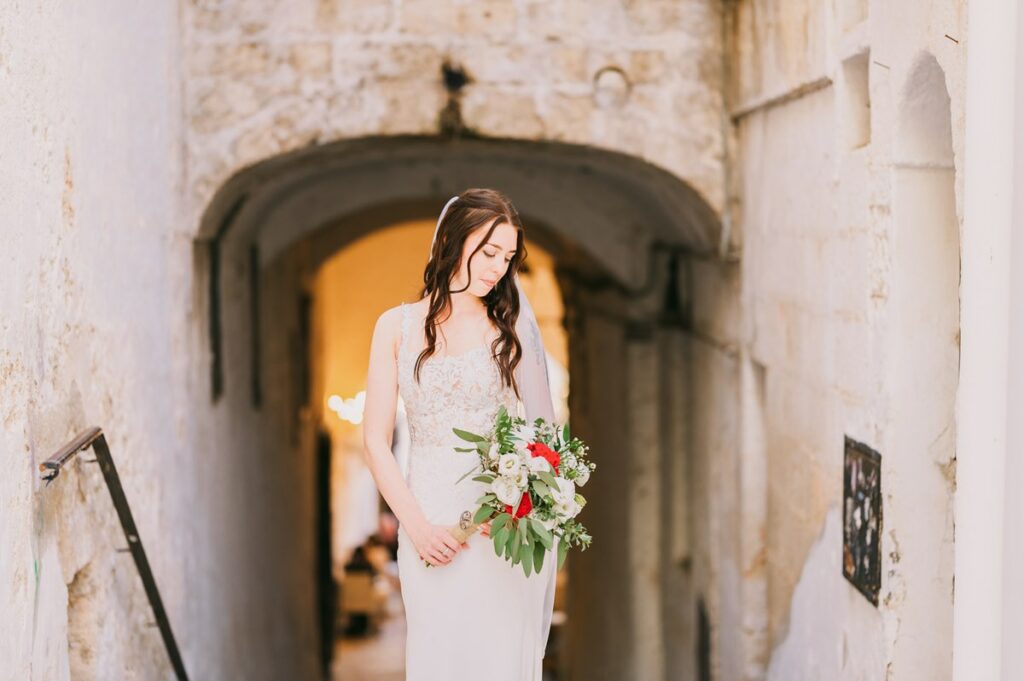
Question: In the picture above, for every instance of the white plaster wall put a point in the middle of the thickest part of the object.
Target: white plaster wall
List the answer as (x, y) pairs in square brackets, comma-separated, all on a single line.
[(99, 324), (1012, 589), (92, 167), (987, 401), (818, 257), (849, 642), (922, 357)]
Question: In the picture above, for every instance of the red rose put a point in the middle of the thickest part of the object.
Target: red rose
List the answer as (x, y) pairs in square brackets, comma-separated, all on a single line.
[(542, 450), (525, 506)]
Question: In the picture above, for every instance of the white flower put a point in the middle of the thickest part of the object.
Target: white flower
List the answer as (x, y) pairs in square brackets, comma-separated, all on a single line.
[(509, 464), (492, 453), (525, 433), (522, 479), (569, 461), (565, 493), (538, 464), (566, 508), (549, 525), (506, 490), (582, 475)]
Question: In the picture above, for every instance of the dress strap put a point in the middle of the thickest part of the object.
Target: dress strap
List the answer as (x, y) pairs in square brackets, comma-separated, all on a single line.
[(404, 335)]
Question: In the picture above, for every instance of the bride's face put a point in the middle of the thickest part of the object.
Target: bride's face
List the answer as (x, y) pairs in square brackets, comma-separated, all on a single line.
[(490, 263)]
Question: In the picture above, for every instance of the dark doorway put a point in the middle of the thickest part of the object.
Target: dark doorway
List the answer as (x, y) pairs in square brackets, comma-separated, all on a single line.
[(703, 643), (326, 587)]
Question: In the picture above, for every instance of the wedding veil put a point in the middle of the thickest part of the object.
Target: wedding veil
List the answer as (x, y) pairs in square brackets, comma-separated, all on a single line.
[(534, 392)]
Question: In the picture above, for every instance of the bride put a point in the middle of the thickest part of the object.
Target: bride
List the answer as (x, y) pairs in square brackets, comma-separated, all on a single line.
[(470, 346)]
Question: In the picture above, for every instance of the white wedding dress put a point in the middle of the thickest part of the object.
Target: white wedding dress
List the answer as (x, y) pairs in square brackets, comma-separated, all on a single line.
[(477, 618)]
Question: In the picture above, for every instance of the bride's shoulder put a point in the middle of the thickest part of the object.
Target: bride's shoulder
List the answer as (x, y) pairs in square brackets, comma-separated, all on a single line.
[(409, 311), (387, 331), (389, 323)]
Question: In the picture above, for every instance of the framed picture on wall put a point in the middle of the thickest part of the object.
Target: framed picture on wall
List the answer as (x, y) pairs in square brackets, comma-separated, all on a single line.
[(862, 518)]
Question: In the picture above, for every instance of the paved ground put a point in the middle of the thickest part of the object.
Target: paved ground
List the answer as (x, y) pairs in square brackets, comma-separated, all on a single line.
[(376, 658)]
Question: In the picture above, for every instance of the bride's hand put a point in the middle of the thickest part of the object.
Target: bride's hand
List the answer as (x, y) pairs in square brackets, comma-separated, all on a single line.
[(485, 529), (436, 545)]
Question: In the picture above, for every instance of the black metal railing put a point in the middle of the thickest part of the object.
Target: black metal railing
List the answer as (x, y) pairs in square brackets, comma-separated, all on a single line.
[(51, 468)]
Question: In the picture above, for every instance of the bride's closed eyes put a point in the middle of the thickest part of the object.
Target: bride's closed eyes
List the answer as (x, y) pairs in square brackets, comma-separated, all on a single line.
[(491, 252)]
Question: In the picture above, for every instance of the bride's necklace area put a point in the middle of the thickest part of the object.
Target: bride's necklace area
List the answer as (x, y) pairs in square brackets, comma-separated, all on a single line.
[(442, 352), (441, 343)]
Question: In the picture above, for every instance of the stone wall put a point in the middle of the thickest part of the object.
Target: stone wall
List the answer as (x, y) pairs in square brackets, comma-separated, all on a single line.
[(91, 333), (643, 78), (829, 265)]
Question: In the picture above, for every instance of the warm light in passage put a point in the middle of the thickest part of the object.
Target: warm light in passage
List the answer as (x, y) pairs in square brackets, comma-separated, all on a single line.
[(350, 409)]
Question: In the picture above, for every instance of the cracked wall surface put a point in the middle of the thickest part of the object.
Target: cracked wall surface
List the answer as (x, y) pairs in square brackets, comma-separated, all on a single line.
[(837, 327)]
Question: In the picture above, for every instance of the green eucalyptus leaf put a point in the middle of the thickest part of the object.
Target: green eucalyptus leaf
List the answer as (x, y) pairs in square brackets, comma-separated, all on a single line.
[(482, 514), (548, 478), (503, 534), (508, 546), (512, 542), (543, 534), (468, 473), (521, 539), (499, 541), (468, 436), (501, 521)]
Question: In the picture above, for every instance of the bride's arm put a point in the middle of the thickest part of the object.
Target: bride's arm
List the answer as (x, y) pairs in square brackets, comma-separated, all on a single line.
[(378, 427)]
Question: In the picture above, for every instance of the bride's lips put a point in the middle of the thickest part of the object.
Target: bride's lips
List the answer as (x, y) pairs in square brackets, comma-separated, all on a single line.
[(488, 282)]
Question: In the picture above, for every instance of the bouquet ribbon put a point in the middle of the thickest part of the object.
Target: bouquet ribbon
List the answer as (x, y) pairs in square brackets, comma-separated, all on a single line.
[(465, 529)]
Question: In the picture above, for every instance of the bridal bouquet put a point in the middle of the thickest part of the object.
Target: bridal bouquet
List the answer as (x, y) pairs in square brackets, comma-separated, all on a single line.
[(532, 472)]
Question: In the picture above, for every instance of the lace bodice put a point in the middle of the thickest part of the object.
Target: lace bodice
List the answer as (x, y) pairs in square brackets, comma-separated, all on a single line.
[(462, 391)]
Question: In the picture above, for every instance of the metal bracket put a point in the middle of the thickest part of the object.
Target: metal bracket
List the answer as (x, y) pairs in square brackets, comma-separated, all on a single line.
[(51, 468)]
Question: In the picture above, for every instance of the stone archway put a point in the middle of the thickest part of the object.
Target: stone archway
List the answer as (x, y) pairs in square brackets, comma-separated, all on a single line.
[(617, 228)]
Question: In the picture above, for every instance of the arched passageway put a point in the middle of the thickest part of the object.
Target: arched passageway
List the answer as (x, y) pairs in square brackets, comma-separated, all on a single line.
[(620, 232)]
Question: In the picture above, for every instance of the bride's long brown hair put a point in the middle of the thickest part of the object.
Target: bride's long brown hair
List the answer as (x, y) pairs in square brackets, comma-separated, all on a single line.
[(474, 209)]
